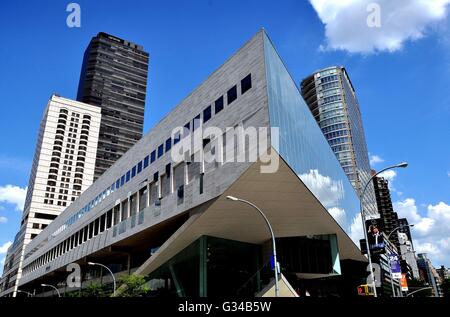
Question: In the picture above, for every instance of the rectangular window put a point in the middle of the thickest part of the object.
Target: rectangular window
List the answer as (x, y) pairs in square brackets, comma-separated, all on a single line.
[(124, 210), (122, 180), (187, 129), (155, 177), (108, 219), (218, 104), (201, 184), (139, 167), (128, 177), (133, 171), (143, 193), (196, 122), (117, 183), (207, 114), (168, 170), (176, 138), (168, 144), (133, 204), (152, 156), (246, 84), (146, 160), (160, 150), (232, 94)]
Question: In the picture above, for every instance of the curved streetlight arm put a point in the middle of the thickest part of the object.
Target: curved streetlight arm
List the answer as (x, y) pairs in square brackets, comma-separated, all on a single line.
[(379, 172), (277, 289), (419, 290), (48, 285), (113, 277), (395, 229)]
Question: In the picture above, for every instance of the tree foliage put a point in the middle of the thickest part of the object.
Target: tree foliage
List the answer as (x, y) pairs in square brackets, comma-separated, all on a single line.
[(133, 286)]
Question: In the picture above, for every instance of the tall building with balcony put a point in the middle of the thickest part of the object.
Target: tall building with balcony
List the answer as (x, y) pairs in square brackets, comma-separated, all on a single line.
[(114, 77), (161, 210), (332, 100), (63, 167), (385, 209)]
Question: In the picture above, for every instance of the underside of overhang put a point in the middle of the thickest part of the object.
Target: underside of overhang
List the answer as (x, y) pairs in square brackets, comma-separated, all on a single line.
[(289, 205)]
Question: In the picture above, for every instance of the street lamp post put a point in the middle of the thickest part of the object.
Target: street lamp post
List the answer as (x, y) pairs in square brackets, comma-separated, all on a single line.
[(48, 285), (113, 277), (277, 289), (401, 165), (390, 268), (28, 293)]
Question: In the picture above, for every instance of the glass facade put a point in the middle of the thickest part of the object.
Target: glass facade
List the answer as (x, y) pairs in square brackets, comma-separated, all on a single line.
[(331, 99), (212, 266), (303, 146), (209, 267)]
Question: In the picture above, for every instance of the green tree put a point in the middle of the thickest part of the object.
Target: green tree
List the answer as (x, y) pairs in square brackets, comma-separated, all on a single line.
[(133, 286), (94, 290)]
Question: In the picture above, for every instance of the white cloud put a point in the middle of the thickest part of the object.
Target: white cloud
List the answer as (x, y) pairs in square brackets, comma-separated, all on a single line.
[(3, 219), (4, 247), (375, 159), (390, 176), (430, 231), (356, 229), (328, 191), (339, 215), (448, 174), (14, 195), (347, 28)]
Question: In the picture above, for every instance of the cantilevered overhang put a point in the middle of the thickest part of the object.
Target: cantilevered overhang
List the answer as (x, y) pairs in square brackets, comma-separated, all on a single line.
[(289, 205)]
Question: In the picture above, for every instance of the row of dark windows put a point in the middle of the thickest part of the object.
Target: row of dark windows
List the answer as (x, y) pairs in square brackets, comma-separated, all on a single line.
[(246, 84)]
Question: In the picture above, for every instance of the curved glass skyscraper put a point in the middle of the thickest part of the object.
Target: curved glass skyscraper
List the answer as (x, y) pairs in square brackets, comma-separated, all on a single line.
[(331, 98)]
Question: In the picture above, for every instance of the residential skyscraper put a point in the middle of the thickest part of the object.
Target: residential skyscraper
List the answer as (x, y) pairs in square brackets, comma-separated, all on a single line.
[(114, 77), (63, 167), (331, 98), (385, 209)]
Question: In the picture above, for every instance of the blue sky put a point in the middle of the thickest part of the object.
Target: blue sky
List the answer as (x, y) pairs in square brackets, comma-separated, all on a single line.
[(401, 73)]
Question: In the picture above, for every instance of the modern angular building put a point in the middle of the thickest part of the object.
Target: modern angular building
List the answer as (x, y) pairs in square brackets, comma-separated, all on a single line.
[(331, 98), (114, 77), (63, 167), (161, 209)]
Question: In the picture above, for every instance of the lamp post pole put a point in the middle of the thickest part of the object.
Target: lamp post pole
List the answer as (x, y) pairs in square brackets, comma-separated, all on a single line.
[(277, 289), (113, 277), (361, 207), (390, 268), (48, 285)]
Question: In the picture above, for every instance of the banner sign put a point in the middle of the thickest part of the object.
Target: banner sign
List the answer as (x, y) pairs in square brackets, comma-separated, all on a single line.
[(374, 229), (395, 266), (404, 283)]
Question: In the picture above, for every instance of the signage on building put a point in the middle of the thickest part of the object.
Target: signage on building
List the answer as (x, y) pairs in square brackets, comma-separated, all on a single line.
[(374, 229), (404, 283), (395, 266)]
